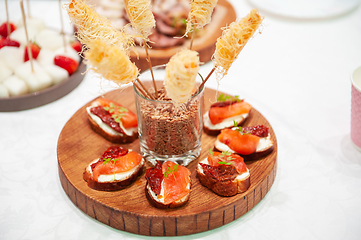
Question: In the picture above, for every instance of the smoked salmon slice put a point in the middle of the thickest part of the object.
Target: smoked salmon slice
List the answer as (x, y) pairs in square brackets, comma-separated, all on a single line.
[(216, 158), (175, 182), (241, 143), (115, 163), (219, 112), (127, 117)]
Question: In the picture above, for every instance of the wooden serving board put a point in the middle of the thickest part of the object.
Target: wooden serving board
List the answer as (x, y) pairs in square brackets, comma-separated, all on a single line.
[(128, 209), (205, 45)]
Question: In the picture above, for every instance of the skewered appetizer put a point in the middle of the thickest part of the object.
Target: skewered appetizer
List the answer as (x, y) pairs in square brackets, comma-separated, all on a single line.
[(233, 40), (200, 14), (116, 169), (224, 173), (181, 73), (107, 49), (251, 142), (168, 185), (111, 120), (51, 62), (224, 113)]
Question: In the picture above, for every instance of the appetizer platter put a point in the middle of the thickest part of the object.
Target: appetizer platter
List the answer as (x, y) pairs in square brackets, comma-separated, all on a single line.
[(128, 209), (38, 65), (45, 96), (153, 172), (163, 44)]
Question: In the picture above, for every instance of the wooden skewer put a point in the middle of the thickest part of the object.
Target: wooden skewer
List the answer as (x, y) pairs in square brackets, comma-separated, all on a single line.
[(7, 19), (62, 26), (151, 69), (28, 5), (205, 80), (141, 90), (192, 37), (26, 34), (141, 84)]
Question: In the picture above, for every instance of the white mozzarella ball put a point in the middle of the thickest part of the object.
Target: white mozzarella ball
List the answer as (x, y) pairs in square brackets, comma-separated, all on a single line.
[(57, 74), (49, 39), (36, 23), (4, 93), (5, 71), (15, 86), (12, 56), (70, 52), (19, 35), (37, 79), (45, 57)]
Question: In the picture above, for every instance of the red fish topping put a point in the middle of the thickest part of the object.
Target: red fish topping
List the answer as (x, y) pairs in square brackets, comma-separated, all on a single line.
[(175, 182), (222, 110), (241, 143), (127, 117), (115, 160), (227, 158)]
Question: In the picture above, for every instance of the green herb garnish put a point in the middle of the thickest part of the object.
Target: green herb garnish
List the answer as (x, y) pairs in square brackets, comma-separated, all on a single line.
[(171, 171), (239, 128), (116, 116), (113, 160), (227, 155), (225, 163), (223, 98), (211, 152)]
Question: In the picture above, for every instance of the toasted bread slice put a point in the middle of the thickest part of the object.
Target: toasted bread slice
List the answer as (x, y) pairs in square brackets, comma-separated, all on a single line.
[(264, 147), (224, 187), (215, 129), (127, 136), (112, 182), (170, 177), (158, 203)]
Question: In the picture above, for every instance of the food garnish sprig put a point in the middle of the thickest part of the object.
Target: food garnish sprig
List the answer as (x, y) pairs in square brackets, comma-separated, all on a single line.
[(116, 111), (223, 98), (199, 15), (232, 41), (142, 20), (226, 156), (112, 161), (171, 171)]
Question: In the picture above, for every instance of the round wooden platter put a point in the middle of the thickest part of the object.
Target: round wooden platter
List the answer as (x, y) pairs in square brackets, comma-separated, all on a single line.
[(205, 45), (128, 209)]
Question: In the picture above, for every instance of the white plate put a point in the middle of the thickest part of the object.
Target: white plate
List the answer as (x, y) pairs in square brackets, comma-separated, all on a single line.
[(306, 9)]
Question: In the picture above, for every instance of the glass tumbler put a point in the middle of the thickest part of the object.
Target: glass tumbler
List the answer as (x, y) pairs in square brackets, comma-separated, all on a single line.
[(168, 131)]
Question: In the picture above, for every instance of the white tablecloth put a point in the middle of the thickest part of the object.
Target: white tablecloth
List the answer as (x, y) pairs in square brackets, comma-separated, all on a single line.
[(296, 73)]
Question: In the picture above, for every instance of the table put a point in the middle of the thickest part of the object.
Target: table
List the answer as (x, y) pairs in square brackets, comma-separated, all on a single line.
[(296, 73)]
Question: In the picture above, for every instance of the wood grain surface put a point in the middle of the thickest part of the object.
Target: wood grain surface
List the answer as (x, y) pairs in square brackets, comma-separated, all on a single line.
[(128, 209), (205, 45)]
